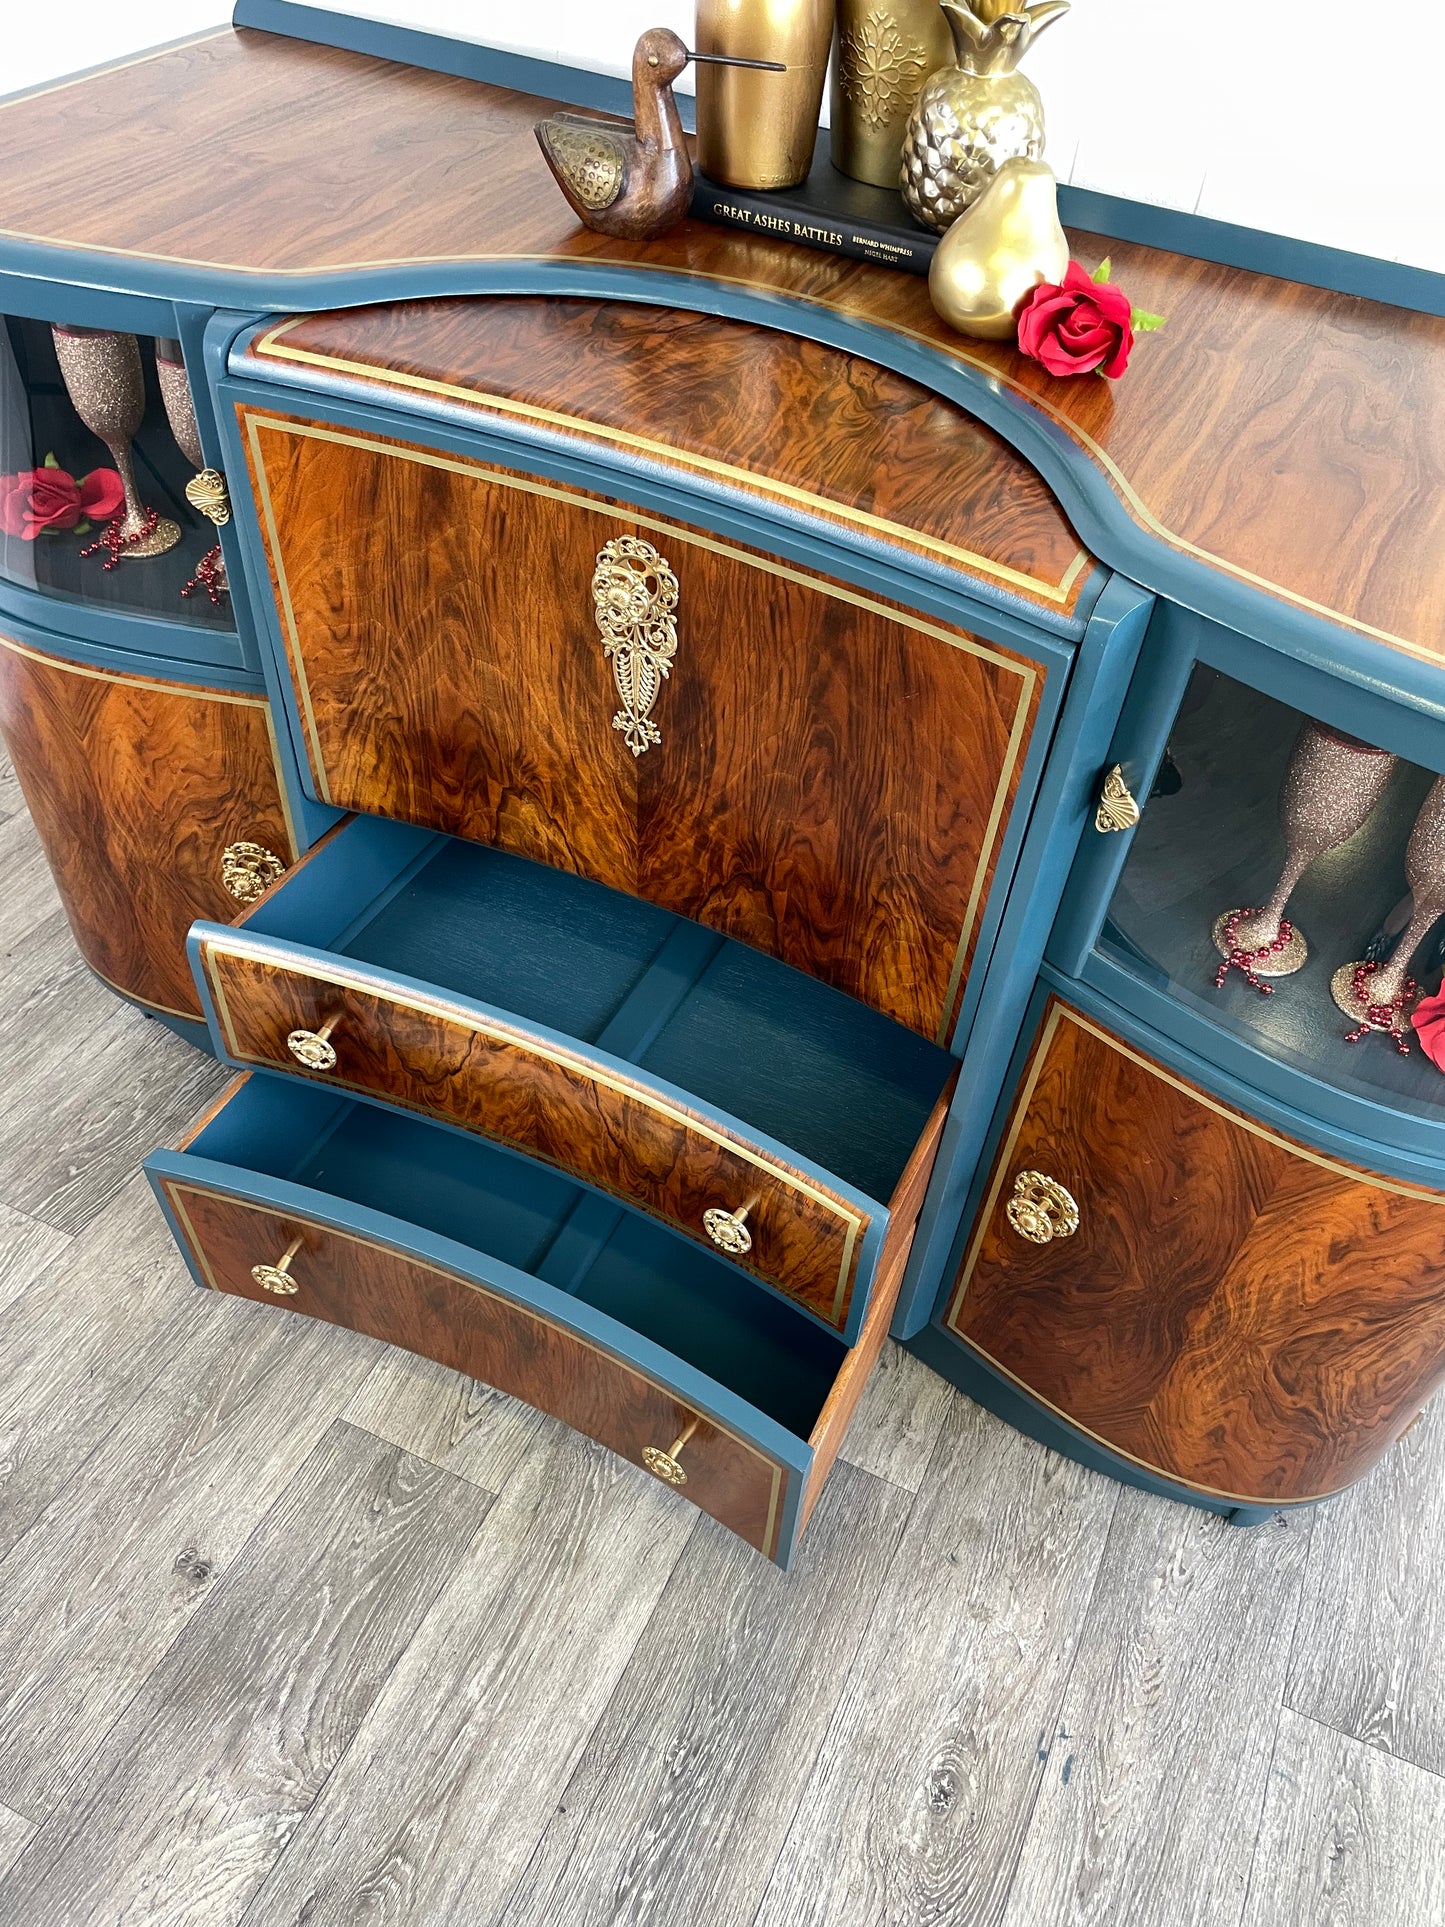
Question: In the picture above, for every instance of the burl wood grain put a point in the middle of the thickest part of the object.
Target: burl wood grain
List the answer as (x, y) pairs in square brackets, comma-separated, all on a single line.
[(136, 789), (510, 1087), (784, 418), (1233, 1311), (369, 1288), (833, 778), (1289, 435)]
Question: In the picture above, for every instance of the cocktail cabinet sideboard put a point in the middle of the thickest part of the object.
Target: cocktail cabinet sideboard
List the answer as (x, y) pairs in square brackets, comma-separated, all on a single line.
[(709, 815)]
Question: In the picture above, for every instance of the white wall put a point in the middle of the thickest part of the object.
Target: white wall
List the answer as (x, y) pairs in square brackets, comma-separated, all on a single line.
[(1321, 120)]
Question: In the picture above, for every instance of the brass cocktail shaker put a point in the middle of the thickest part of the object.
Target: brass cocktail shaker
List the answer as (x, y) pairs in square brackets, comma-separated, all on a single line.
[(757, 129)]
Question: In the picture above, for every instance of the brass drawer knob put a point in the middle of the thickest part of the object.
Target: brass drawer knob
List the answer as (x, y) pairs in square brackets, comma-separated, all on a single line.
[(208, 493), (312, 1048), (664, 1465), (249, 869), (277, 1278), (1117, 809), (728, 1229), (1041, 1209)]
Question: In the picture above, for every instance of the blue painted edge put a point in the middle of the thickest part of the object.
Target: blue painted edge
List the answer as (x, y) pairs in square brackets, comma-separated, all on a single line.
[(978, 1380), (132, 660), (250, 577), (306, 958), (1066, 800), (125, 637), (1261, 252), (571, 1314)]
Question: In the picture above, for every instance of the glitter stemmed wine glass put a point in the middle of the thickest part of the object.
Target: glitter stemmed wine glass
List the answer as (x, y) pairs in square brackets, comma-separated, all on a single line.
[(181, 414), (103, 377), (1381, 996), (1331, 784)]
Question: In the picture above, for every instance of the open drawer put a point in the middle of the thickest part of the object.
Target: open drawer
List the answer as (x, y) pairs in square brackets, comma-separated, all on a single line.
[(764, 1115), (505, 1270)]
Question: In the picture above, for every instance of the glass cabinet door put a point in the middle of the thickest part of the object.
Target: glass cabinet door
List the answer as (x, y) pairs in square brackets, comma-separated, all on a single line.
[(97, 445), (1282, 894)]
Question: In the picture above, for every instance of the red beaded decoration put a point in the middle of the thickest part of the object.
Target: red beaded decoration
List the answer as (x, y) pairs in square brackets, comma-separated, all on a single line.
[(114, 542), (208, 576), (1386, 1017), (1246, 960)]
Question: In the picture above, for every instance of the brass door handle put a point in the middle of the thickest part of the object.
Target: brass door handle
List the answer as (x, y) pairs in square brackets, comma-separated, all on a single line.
[(1117, 808), (1041, 1209), (277, 1278), (207, 492), (249, 869), (664, 1465), (312, 1048), (728, 1229)]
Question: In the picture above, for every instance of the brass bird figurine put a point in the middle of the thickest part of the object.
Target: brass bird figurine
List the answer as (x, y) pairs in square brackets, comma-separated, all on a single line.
[(632, 178)]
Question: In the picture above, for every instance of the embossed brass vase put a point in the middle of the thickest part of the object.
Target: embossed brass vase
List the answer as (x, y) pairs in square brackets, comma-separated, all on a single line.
[(1008, 242), (757, 129), (885, 51), (973, 116)]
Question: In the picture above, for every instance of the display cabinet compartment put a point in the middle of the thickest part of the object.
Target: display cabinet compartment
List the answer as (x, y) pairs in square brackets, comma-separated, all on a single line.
[(41, 424), (1218, 1303), (500, 1268), (1241, 761), (744, 1104)]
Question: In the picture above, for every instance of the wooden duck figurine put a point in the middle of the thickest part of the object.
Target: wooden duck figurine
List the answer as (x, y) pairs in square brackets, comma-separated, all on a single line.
[(632, 178)]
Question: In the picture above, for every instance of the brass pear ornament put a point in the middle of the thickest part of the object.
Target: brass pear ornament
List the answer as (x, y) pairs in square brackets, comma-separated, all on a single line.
[(992, 257)]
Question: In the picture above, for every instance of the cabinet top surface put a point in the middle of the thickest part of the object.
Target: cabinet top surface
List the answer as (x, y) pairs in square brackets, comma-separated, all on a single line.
[(788, 420), (1289, 438)]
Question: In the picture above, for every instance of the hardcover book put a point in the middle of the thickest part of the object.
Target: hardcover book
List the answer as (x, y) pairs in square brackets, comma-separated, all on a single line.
[(828, 210)]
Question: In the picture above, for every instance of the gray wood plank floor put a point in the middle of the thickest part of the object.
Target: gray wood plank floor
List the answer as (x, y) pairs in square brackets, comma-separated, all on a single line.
[(296, 1631)]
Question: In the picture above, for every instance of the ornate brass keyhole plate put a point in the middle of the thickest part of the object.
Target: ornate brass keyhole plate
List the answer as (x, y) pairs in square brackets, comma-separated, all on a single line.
[(634, 596)]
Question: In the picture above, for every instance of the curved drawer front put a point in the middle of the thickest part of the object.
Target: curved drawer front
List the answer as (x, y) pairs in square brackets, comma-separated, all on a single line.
[(821, 774), (1234, 1309), (537, 1095), (371, 1287)]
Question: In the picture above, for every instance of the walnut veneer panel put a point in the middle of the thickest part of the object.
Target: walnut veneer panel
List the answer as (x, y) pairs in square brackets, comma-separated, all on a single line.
[(368, 1287), (511, 1087), (834, 775), (136, 788), (1235, 1311), (785, 418), (1293, 437)]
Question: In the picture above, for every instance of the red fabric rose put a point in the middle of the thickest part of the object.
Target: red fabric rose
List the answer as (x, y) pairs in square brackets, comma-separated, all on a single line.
[(1077, 326), (48, 498), (1429, 1022)]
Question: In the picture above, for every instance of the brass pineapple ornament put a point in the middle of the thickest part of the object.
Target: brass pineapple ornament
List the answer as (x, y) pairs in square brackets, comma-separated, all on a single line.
[(973, 116)]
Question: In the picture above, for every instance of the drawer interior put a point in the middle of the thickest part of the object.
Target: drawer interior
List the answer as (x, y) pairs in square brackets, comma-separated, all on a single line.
[(699, 1308), (793, 1058)]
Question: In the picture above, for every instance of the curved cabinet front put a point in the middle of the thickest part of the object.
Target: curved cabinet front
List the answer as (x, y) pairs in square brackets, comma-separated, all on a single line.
[(1235, 1311), (824, 775), (156, 803)]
